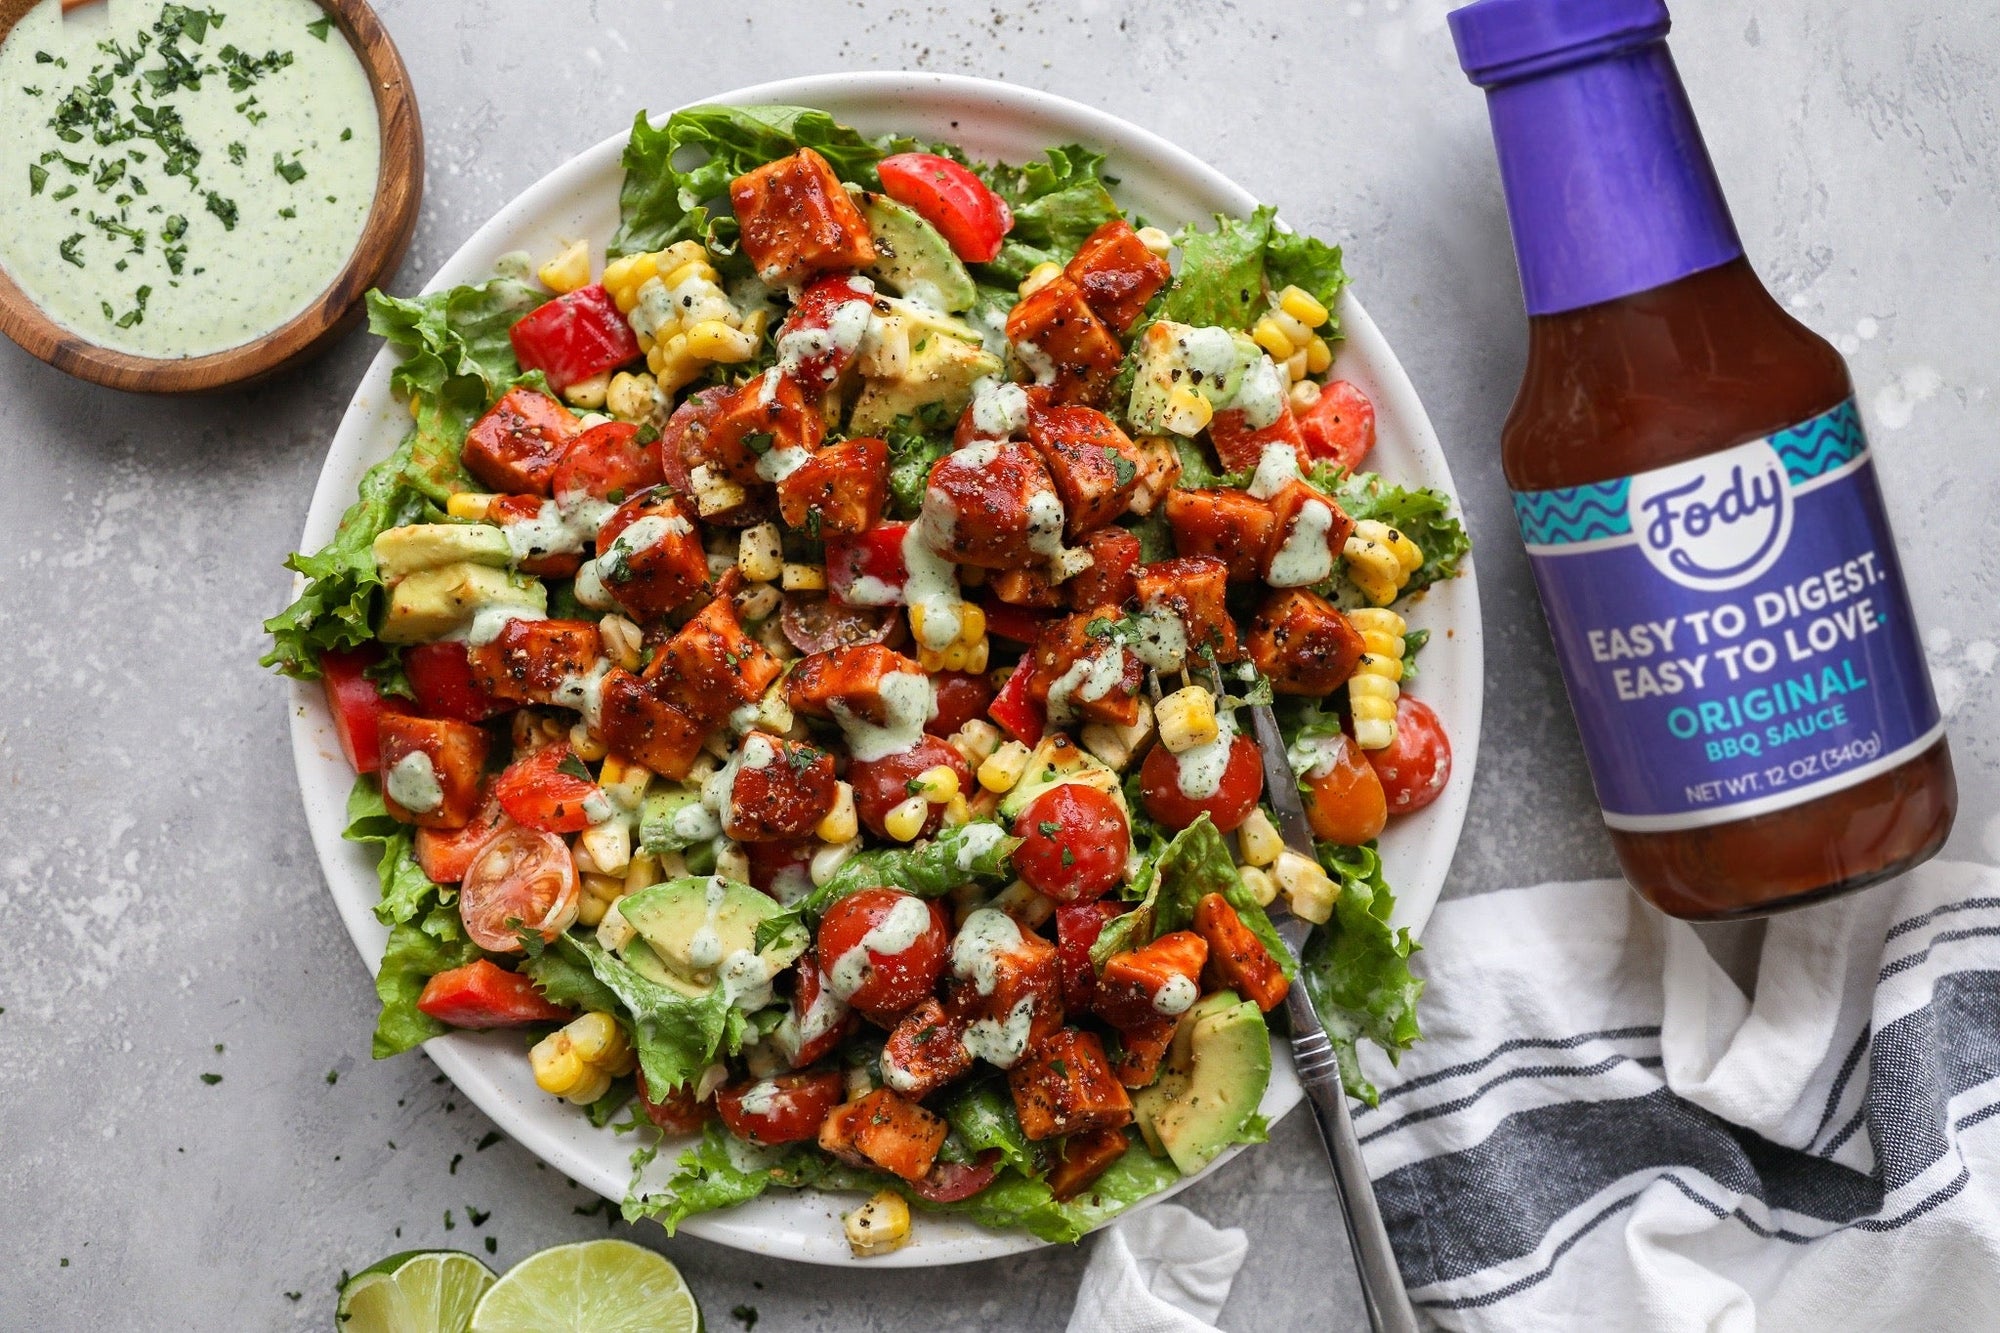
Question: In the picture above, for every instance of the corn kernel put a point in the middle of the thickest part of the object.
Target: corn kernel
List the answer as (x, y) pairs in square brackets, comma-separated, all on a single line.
[(622, 640), (1303, 395), (773, 713), (957, 811), (643, 873), (609, 845), (569, 270), (1295, 366), (1259, 839), (1295, 328), (974, 741), (1268, 334), (588, 393), (1186, 718), (599, 891), (936, 785), (757, 601), (831, 858), (1025, 904), (584, 745), (976, 656), (1003, 768), (623, 781), (579, 1061), (713, 340), (470, 505), (840, 824), (1310, 891), (614, 932), (1303, 306), (1188, 413), (1262, 887), (714, 493), (1156, 241), (907, 819), (1040, 276), (557, 1068), (1319, 356), (803, 578), (879, 1226), (632, 397)]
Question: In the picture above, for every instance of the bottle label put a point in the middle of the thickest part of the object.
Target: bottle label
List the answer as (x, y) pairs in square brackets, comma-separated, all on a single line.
[(1734, 630)]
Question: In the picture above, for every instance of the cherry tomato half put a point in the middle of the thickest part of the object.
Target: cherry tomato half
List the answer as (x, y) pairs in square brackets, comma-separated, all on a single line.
[(961, 697), (607, 462), (785, 1109), (1235, 796), (1417, 764), (446, 853), (519, 879), (972, 218), (677, 1112), (549, 789), (953, 1182), (880, 785), (1073, 843), (901, 942), (1343, 796)]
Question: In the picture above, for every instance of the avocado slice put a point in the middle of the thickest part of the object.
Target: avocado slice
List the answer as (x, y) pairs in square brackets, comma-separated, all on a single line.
[(675, 819), (943, 368), (433, 603), (912, 257), (400, 552), (1212, 1080), (1057, 760), (1211, 360), (693, 925), (639, 956)]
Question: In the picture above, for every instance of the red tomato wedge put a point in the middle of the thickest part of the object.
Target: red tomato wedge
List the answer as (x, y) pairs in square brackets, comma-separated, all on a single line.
[(357, 706), (573, 337), (953, 1182), (1073, 843), (1234, 797), (1340, 426), (961, 697), (484, 995), (1077, 927), (677, 1112), (518, 880), (1020, 623), (868, 570), (1417, 764), (972, 219), (550, 790), (441, 675), (785, 1109), (446, 854), (606, 462), (1343, 796)]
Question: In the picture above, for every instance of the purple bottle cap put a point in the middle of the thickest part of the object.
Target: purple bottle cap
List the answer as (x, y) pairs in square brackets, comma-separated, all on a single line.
[(1609, 187), (1503, 40)]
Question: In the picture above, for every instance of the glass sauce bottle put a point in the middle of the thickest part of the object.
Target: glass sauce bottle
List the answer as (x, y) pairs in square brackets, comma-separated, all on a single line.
[(1692, 481)]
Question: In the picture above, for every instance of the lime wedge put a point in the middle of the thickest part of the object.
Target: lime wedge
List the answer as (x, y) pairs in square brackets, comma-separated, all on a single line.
[(419, 1291), (597, 1286)]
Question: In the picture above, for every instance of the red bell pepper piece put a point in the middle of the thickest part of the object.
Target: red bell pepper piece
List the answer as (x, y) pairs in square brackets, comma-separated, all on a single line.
[(1077, 927), (357, 706), (1022, 624), (573, 337), (484, 995), (1014, 710), (441, 675), (876, 555)]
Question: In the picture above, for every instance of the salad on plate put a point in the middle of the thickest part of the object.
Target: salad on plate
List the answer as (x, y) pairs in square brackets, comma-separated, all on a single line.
[(792, 670)]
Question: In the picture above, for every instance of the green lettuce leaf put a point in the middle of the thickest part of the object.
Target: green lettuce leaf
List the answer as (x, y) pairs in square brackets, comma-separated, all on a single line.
[(1226, 273), (1293, 259), (911, 456), (406, 889), (418, 949), (564, 975), (959, 854), (676, 1035), (660, 203), (1423, 515), (1196, 863), (982, 1116), (1057, 202), (1357, 966)]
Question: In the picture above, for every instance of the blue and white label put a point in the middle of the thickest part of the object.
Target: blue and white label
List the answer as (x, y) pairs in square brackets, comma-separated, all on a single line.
[(1734, 630)]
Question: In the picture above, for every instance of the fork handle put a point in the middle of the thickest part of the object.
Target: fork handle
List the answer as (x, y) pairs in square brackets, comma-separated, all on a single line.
[(1318, 1071)]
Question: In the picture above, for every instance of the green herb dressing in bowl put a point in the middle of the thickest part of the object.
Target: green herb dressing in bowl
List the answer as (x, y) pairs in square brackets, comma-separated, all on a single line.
[(181, 179)]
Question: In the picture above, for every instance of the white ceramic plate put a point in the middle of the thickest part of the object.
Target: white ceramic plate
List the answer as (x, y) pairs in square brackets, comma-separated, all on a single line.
[(990, 121)]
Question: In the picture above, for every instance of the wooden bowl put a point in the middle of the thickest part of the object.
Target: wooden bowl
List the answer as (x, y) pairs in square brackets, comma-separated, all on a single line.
[(392, 219)]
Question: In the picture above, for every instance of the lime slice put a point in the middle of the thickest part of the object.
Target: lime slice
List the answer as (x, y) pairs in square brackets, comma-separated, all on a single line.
[(597, 1286), (419, 1291)]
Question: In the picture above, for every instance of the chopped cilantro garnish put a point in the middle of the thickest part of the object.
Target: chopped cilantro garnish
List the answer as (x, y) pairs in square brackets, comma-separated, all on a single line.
[(292, 171), (224, 209), (68, 248), (321, 26), (38, 176)]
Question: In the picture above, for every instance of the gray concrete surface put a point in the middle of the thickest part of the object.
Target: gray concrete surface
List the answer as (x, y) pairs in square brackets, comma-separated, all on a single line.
[(161, 909)]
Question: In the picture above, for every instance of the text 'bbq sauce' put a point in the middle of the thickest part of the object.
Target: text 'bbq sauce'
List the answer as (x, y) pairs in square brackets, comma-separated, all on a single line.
[(1695, 490)]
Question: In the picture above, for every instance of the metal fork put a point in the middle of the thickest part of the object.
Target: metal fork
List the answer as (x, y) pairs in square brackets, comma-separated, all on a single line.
[(1318, 1070)]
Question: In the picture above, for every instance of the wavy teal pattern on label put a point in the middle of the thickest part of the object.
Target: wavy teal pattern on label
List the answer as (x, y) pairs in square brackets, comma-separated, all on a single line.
[(1821, 445), (1573, 513)]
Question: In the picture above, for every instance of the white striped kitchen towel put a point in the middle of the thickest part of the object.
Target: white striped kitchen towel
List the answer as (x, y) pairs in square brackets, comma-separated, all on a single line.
[(1601, 1131)]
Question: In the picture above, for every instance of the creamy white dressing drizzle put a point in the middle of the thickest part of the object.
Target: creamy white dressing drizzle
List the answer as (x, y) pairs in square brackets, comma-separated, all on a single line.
[(760, 1097), (1045, 525), (1160, 639), (905, 923), (1276, 466), (777, 464), (1260, 396), (933, 585), (705, 945), (746, 980), (1305, 557), (413, 783), (1038, 363), (987, 935), (1089, 679), (695, 822), (1210, 354), (1202, 767), (585, 692), (908, 701), (1175, 995), (488, 621), (1001, 1041), (796, 1031), (999, 408), (974, 842)]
